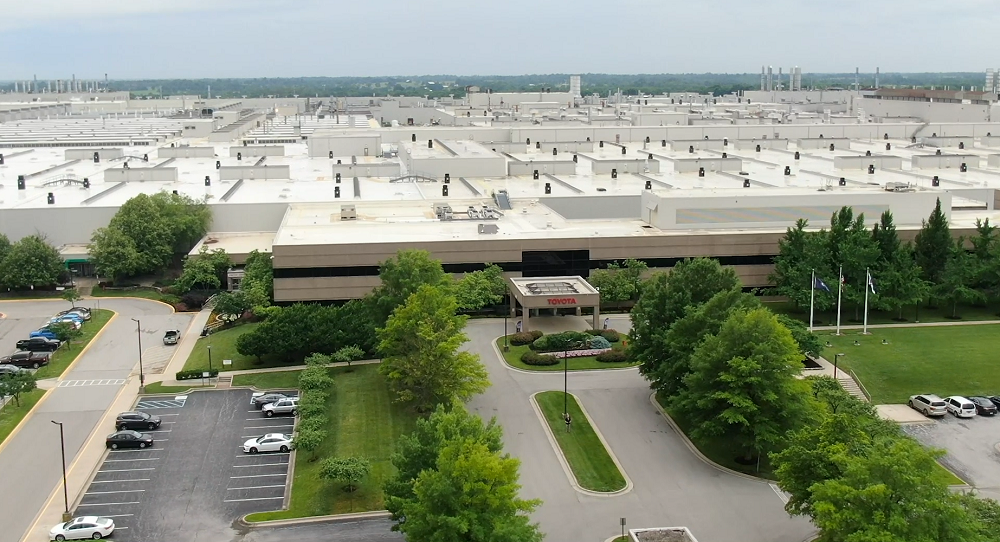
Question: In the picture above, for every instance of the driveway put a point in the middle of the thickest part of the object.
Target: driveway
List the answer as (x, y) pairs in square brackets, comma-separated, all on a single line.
[(970, 444), (672, 487), (30, 460)]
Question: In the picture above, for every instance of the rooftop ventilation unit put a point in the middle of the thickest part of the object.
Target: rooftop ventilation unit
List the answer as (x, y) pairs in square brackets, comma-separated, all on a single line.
[(348, 212), (488, 229)]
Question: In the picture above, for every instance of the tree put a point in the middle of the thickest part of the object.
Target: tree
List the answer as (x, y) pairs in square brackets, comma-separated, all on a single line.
[(858, 253), (402, 276), (140, 220), (348, 354), (985, 512), (900, 282), (619, 283), (258, 279), (481, 288), (351, 470), (71, 295), (933, 245), (418, 451), (957, 282), (187, 219), (31, 263), (232, 305), (65, 331), (470, 495), (206, 270), (291, 333), (885, 237), (800, 254), (4, 246), (309, 440), (14, 384), (422, 361), (114, 254), (743, 384), (809, 343)]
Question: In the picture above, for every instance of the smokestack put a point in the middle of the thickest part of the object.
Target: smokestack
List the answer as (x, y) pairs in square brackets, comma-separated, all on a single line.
[(876, 78)]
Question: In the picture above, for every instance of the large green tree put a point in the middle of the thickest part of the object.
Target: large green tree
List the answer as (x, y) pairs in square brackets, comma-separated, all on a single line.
[(187, 219), (959, 280), (619, 283), (900, 282), (4, 246), (402, 276), (258, 279), (800, 254), (481, 288), (206, 270), (933, 245), (471, 495), (743, 384), (30, 263), (114, 254), (13, 385), (140, 220), (858, 253), (421, 344)]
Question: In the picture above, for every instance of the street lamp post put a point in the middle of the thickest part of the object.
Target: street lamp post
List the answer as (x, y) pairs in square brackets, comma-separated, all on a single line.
[(209, 358), (836, 358), (565, 383), (506, 346), (138, 335), (62, 447)]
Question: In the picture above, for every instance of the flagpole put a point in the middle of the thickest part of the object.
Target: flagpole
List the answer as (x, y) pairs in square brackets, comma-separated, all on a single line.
[(812, 299), (840, 288), (868, 284)]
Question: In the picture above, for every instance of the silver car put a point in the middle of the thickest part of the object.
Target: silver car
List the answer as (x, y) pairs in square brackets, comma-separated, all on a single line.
[(286, 406), (928, 404)]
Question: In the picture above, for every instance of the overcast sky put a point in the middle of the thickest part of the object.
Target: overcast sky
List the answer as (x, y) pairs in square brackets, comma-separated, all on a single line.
[(271, 38)]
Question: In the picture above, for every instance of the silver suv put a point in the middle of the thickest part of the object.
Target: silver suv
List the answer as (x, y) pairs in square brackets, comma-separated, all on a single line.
[(929, 404), (286, 406)]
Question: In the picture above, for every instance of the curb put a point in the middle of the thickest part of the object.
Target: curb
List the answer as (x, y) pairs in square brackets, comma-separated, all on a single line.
[(694, 449), (496, 350), (338, 518), (98, 297), (562, 457)]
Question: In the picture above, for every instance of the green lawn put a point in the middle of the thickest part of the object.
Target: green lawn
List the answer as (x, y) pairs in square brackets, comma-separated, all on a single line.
[(946, 360), (31, 294), (587, 457), (589, 363), (942, 313), (158, 387), (268, 381), (62, 358), (223, 345), (143, 292), (363, 422), (11, 415)]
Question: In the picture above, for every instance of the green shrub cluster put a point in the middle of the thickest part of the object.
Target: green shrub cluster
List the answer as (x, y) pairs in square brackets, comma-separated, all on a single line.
[(534, 358), (612, 356), (599, 343), (525, 337), (194, 374), (567, 340), (611, 335), (316, 386)]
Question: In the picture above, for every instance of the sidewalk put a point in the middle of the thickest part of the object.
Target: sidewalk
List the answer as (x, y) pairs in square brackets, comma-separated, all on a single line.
[(183, 350), (909, 324)]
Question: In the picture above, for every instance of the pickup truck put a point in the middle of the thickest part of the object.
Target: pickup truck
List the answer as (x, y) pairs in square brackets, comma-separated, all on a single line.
[(38, 344), (171, 336), (26, 360)]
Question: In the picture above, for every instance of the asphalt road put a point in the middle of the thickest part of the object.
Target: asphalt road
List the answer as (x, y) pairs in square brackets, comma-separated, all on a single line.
[(971, 446), (672, 487), (30, 461)]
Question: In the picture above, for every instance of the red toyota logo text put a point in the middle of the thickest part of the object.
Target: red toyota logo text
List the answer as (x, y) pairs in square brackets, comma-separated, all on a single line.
[(563, 301)]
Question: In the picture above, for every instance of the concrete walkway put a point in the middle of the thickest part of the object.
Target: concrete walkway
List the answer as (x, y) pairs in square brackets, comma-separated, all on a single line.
[(182, 351), (910, 324)]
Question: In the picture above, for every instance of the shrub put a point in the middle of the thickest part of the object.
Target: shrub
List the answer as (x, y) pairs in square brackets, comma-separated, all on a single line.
[(312, 404), (567, 340), (195, 298), (599, 342), (613, 356), (609, 334), (312, 423), (315, 378), (309, 441), (534, 358), (193, 374), (525, 337)]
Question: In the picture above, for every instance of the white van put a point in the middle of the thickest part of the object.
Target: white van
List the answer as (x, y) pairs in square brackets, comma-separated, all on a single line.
[(960, 406)]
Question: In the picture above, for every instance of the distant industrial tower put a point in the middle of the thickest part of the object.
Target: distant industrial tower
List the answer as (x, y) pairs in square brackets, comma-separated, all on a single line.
[(574, 85), (768, 83), (992, 81)]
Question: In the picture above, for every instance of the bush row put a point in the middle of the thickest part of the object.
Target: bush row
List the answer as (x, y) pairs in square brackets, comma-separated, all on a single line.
[(534, 358), (613, 356), (567, 340), (525, 337), (611, 335), (194, 374)]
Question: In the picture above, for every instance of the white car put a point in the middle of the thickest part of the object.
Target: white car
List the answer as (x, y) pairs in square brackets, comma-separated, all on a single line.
[(84, 527), (271, 442), (960, 406)]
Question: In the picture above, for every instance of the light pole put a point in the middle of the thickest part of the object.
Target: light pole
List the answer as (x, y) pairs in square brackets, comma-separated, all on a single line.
[(138, 335), (835, 359), (62, 447), (506, 346), (209, 358), (565, 383)]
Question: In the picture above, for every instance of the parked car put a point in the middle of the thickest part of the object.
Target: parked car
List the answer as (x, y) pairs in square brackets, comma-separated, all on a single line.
[(43, 332), (929, 404), (8, 369), (65, 320), (136, 420), (984, 407), (68, 316), (285, 406), (128, 439), (259, 399), (38, 344), (84, 312), (995, 399), (171, 336), (32, 360), (84, 527), (960, 406), (271, 442)]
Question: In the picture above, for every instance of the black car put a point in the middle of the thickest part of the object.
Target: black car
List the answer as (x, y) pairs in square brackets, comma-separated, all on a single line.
[(136, 420), (128, 439), (266, 398), (984, 406), (27, 360), (38, 344)]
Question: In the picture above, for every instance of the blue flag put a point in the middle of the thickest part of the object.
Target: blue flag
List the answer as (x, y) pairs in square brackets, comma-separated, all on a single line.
[(818, 284)]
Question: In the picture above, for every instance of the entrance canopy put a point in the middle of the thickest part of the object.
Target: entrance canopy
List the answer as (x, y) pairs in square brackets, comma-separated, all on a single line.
[(553, 293)]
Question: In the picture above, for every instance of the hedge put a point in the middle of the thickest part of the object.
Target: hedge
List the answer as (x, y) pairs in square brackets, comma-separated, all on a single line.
[(567, 340), (611, 335), (195, 374), (525, 337), (613, 356), (534, 358)]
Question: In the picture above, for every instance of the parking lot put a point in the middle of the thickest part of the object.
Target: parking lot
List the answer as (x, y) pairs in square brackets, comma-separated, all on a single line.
[(195, 480), (971, 446)]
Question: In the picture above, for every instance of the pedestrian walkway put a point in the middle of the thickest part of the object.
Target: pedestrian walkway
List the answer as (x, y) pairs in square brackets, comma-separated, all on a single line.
[(182, 351), (845, 378), (911, 324)]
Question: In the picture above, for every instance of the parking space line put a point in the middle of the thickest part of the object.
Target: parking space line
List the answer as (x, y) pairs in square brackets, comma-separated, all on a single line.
[(259, 475), (106, 503), (110, 492), (117, 481), (269, 426), (260, 465), (254, 499), (137, 459), (247, 456), (117, 516), (173, 414), (124, 470), (257, 487), (143, 451)]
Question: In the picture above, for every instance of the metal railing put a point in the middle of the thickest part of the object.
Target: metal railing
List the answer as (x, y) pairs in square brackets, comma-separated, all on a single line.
[(860, 385)]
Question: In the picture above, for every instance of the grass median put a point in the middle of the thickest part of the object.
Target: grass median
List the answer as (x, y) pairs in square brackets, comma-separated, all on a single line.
[(269, 381), (587, 457), (12, 414), (66, 355), (363, 421), (223, 345), (586, 363)]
